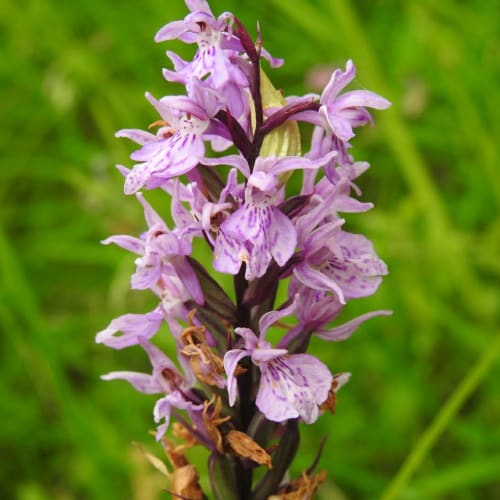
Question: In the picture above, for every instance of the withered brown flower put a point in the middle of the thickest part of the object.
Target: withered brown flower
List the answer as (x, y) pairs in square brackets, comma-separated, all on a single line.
[(207, 366)]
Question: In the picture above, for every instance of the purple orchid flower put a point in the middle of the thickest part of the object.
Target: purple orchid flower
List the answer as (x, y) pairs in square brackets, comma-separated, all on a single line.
[(343, 112), (245, 214), (178, 145), (335, 260), (214, 60), (315, 310), (219, 60), (337, 116), (160, 247), (204, 215), (124, 331), (258, 231), (215, 41), (340, 169), (217, 46), (291, 385), (165, 379)]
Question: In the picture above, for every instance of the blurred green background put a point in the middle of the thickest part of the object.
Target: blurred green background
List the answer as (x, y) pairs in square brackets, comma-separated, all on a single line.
[(72, 73)]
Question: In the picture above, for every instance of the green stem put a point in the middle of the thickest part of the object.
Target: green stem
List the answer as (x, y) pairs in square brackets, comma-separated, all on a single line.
[(442, 420)]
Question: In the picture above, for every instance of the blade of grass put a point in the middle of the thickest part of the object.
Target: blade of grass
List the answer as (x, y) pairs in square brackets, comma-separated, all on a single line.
[(443, 418)]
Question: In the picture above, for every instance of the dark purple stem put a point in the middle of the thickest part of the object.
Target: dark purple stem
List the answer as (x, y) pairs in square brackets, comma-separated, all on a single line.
[(253, 51), (285, 113), (274, 121), (239, 136), (245, 380)]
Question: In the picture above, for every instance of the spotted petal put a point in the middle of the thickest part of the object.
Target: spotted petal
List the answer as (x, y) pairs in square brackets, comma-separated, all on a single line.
[(357, 269), (293, 386)]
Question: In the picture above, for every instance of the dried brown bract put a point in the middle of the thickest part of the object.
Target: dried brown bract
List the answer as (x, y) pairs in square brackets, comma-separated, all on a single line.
[(243, 445), (212, 420)]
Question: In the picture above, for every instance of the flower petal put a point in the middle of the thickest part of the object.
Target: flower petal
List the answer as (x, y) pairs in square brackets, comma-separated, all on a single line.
[(139, 136), (249, 338), (231, 360), (129, 243), (282, 237), (317, 280), (174, 30), (158, 359), (338, 81), (136, 178), (140, 381), (357, 269), (344, 331), (264, 355), (341, 126), (362, 98), (227, 252), (188, 278), (132, 326), (272, 317), (293, 386)]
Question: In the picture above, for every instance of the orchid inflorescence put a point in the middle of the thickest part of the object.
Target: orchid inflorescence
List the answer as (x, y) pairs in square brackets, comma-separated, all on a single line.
[(224, 153)]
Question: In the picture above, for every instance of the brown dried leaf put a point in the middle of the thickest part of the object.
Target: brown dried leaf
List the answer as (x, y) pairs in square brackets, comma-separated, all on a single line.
[(243, 445)]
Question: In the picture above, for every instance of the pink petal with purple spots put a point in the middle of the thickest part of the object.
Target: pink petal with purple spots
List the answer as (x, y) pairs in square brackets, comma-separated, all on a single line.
[(293, 386)]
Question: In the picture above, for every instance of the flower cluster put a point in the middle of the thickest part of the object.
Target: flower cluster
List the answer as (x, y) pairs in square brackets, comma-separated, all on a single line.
[(224, 152)]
